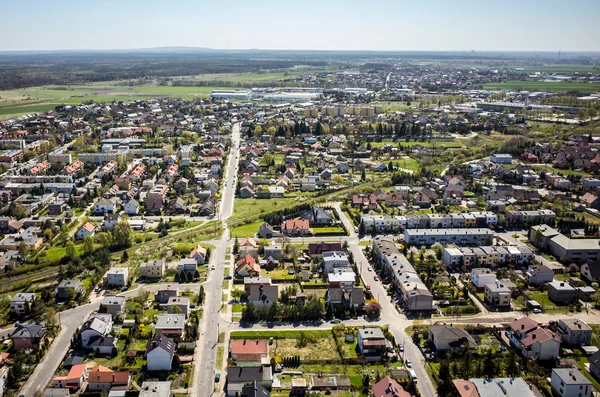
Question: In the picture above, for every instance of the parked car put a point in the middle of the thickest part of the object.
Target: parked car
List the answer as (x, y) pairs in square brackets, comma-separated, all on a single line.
[(217, 378), (537, 310), (368, 287), (408, 363), (401, 347), (376, 278), (370, 269)]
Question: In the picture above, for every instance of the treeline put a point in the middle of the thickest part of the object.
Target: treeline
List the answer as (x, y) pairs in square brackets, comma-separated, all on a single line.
[(62, 69)]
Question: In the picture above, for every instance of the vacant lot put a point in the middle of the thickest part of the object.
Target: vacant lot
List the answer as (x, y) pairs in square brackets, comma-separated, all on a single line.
[(248, 230), (322, 349)]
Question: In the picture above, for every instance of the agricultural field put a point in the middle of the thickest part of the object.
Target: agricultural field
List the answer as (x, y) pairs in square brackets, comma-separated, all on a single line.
[(544, 86)]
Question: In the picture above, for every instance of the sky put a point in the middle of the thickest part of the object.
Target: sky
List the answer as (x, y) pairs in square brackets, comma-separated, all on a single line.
[(394, 25)]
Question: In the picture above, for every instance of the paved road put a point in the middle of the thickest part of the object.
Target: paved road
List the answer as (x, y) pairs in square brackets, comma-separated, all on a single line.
[(70, 320), (212, 321)]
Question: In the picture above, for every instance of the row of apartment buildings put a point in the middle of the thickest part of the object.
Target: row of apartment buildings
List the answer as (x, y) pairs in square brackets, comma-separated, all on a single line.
[(386, 223), (473, 236), (415, 295), (490, 256)]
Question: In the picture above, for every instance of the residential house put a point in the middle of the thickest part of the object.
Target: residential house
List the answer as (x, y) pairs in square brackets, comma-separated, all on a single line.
[(152, 270), (388, 387), (86, 230), (296, 228), (496, 387), (117, 277), (96, 327), (533, 341), (570, 382), (317, 216), (274, 251), (181, 302), (160, 352), (497, 296), (105, 206), (248, 350), (591, 271), (574, 332), (595, 364), (28, 336), (77, 376), (334, 260), (539, 274), (156, 198), (21, 303), (371, 343), (255, 389), (448, 338), (341, 278), (110, 221), (103, 378), (113, 304), (263, 295), (266, 231), (69, 289), (561, 292), (132, 207), (481, 277), (348, 297), (248, 246), (166, 291), (171, 325), (187, 267), (238, 377), (246, 267), (199, 254), (315, 250)]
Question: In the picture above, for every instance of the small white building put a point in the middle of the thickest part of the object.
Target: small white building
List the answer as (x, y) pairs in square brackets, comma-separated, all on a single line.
[(482, 276), (570, 382), (117, 276), (501, 158)]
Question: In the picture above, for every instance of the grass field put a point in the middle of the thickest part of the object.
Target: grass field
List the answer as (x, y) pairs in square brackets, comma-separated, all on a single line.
[(40, 99), (544, 86), (248, 207), (246, 77), (442, 144), (408, 164), (248, 230), (563, 69)]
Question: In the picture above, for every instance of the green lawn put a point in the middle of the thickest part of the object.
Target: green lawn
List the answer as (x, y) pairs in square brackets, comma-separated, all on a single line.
[(248, 230), (250, 207), (278, 334), (237, 308), (407, 164), (220, 350), (544, 86)]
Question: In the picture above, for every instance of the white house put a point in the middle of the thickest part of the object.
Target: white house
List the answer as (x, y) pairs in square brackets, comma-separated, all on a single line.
[(570, 382), (117, 276), (97, 326), (131, 207), (110, 221), (86, 230), (334, 259), (160, 352), (482, 276), (104, 205)]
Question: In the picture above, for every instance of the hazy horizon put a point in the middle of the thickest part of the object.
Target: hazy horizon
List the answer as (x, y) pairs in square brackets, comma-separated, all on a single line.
[(335, 25)]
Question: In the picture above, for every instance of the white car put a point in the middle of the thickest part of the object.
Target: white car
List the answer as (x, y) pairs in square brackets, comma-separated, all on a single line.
[(212, 267), (370, 269), (408, 363)]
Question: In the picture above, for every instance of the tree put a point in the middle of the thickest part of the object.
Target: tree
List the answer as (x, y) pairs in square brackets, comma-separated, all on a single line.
[(444, 382), (236, 246), (175, 309), (51, 318), (363, 176), (512, 365), (249, 313), (538, 238), (70, 250), (122, 234), (105, 239), (23, 250), (237, 293), (88, 245), (124, 257), (373, 310)]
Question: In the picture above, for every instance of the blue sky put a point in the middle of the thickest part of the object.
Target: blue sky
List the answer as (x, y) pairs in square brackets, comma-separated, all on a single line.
[(428, 25)]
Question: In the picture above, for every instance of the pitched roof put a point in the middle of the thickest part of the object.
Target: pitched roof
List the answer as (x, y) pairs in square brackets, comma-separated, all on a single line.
[(540, 335), (388, 387), (248, 346), (159, 341), (246, 374), (29, 331), (102, 374), (457, 335), (255, 390), (524, 325), (89, 227), (295, 224), (465, 388)]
